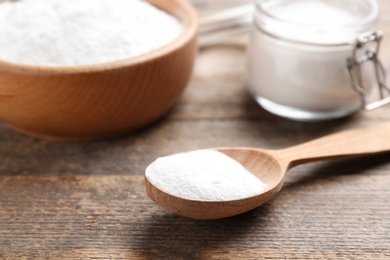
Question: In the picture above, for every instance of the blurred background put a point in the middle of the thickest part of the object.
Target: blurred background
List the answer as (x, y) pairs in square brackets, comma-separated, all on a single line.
[(224, 21)]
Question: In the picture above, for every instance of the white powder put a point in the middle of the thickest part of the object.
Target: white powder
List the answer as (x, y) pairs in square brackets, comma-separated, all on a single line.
[(205, 175), (81, 32)]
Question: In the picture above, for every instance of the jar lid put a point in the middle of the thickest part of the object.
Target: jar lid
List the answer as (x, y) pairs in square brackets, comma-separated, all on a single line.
[(319, 22)]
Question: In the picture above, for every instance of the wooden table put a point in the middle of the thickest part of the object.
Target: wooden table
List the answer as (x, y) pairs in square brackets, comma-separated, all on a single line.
[(86, 200)]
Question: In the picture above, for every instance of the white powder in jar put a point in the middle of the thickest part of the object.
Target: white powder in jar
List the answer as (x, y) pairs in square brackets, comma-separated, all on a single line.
[(81, 32), (298, 57), (205, 175)]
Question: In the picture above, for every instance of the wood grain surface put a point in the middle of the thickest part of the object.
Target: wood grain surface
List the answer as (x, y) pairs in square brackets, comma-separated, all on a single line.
[(86, 200)]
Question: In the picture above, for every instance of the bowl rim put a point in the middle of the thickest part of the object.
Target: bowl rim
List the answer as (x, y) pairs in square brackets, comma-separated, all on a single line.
[(190, 29)]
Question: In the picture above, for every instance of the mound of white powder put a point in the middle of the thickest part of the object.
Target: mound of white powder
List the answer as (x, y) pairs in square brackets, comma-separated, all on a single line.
[(205, 175), (81, 32)]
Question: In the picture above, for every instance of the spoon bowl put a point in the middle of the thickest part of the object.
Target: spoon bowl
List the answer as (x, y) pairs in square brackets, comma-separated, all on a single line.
[(270, 166), (258, 162)]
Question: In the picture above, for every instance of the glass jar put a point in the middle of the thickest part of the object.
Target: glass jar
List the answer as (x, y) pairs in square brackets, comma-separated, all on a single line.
[(314, 60)]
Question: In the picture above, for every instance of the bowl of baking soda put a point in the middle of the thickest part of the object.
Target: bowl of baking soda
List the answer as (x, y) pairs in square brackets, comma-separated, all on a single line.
[(89, 69)]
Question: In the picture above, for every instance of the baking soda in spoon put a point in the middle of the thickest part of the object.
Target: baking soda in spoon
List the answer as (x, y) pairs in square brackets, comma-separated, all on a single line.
[(270, 166), (204, 175)]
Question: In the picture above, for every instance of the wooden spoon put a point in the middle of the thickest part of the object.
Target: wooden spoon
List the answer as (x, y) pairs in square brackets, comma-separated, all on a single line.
[(270, 166)]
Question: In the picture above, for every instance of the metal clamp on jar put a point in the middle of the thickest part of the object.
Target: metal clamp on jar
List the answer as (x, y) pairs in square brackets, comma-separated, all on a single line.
[(366, 50)]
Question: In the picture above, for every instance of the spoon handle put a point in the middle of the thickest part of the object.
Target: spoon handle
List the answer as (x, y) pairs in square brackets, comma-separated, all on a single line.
[(350, 143)]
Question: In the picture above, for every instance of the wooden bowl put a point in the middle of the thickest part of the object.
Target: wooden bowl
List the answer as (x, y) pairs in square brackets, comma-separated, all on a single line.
[(102, 100)]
